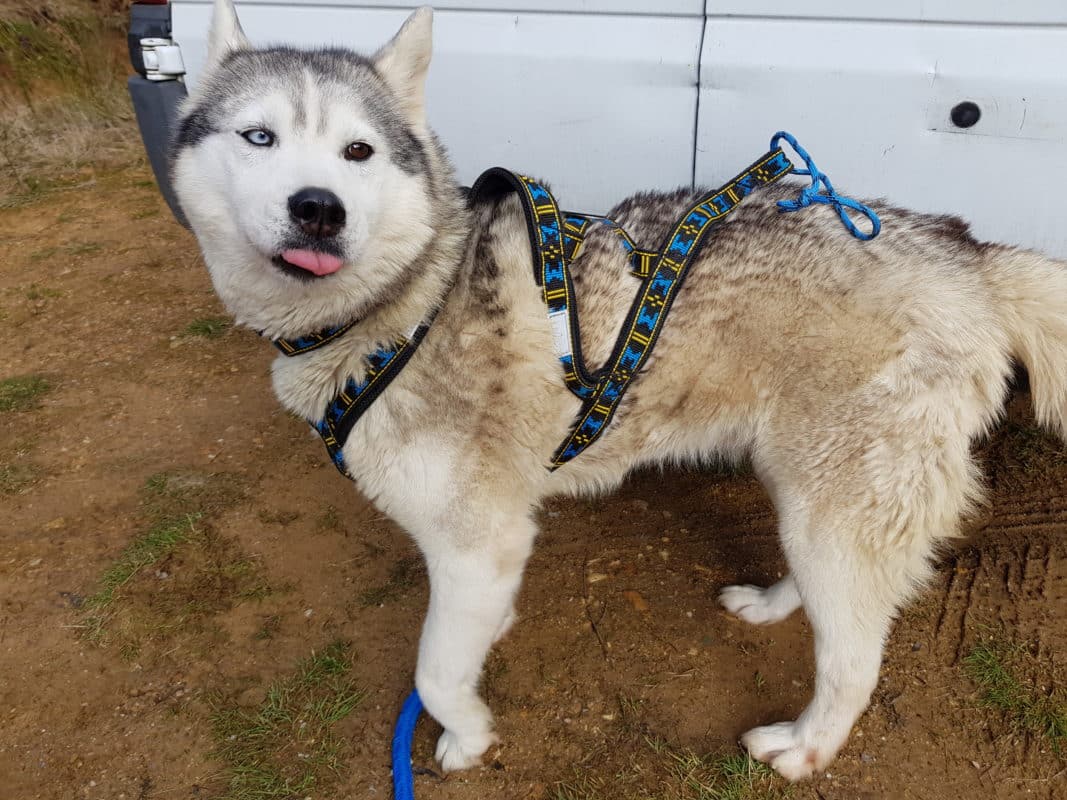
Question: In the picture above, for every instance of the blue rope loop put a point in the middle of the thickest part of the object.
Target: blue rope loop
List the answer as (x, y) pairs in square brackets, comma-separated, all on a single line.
[(822, 191), (403, 780)]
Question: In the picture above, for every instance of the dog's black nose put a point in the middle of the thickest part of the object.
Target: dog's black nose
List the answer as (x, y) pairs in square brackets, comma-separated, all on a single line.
[(319, 212)]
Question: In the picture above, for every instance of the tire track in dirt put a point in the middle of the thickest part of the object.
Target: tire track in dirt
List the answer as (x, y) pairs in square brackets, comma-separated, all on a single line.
[(1013, 577), (1009, 582), (955, 603)]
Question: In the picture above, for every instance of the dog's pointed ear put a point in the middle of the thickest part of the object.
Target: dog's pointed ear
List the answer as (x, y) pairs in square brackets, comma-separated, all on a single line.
[(226, 35), (403, 63)]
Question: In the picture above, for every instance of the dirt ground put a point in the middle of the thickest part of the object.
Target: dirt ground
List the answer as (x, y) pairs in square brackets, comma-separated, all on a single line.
[(620, 661)]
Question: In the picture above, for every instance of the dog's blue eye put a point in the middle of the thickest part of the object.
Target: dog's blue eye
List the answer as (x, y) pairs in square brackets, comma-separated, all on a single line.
[(259, 137)]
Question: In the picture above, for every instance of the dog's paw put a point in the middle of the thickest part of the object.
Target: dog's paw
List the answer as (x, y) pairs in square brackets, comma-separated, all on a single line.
[(457, 752), (779, 746), (753, 604)]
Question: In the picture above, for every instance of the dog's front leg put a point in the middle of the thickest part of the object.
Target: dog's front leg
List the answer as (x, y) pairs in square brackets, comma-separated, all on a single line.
[(474, 575)]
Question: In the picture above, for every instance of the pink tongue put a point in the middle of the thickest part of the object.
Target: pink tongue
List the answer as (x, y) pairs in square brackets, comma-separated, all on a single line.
[(316, 263)]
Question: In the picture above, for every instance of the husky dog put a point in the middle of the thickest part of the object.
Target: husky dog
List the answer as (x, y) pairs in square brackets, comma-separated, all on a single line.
[(855, 375)]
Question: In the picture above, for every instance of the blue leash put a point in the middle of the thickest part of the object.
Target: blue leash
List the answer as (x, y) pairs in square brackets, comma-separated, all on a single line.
[(403, 780), (819, 181)]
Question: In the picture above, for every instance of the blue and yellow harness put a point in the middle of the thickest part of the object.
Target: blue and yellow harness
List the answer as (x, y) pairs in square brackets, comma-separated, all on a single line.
[(556, 238)]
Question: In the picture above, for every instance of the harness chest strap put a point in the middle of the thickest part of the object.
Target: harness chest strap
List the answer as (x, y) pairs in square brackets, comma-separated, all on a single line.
[(357, 396)]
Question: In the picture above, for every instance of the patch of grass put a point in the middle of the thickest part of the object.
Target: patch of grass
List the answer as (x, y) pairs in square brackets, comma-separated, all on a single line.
[(178, 491), (743, 778), (22, 393), (203, 572), (286, 747), (271, 625), (401, 578), (658, 771), (16, 477), (149, 548), (35, 292), (84, 248), (644, 766), (582, 787), (729, 777), (145, 213), (207, 327), (244, 574), (44, 254), (997, 666)]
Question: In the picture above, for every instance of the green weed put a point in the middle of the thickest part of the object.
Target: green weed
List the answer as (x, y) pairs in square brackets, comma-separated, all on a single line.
[(16, 477), (152, 546), (44, 254), (22, 393), (996, 665), (286, 747), (207, 328), (84, 248), (677, 774), (214, 575), (35, 292)]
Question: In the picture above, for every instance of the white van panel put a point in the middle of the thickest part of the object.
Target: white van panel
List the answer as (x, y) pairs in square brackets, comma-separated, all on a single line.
[(871, 103), (598, 105), (656, 7), (1013, 12)]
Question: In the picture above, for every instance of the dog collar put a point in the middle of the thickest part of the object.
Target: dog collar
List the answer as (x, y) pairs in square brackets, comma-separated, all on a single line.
[(305, 344)]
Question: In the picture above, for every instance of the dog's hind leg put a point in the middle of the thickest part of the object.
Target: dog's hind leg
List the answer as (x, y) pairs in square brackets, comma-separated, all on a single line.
[(762, 606), (859, 520), (473, 582), (850, 603)]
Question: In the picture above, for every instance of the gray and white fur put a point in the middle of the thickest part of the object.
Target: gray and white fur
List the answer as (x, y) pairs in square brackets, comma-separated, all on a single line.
[(855, 376)]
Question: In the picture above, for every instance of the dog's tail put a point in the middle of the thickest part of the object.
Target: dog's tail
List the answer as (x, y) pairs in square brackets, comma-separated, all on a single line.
[(1032, 293)]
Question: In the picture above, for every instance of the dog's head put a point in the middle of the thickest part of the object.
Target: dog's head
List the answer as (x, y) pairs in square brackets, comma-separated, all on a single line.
[(309, 176)]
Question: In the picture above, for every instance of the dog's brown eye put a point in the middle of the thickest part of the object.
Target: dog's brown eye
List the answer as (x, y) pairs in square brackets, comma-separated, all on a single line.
[(358, 151)]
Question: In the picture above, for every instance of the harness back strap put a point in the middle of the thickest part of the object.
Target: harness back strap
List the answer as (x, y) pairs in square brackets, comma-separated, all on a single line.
[(556, 238), (574, 230), (649, 311)]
